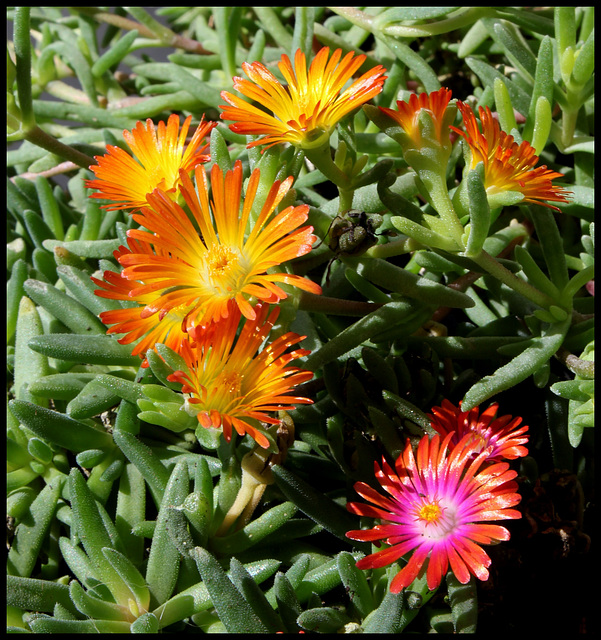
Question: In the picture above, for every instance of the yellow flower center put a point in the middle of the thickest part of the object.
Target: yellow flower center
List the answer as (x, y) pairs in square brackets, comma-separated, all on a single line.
[(225, 393), (430, 512), (433, 520), (230, 383), (224, 269), (160, 178)]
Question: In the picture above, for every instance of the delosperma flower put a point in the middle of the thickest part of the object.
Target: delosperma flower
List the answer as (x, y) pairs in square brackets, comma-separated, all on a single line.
[(160, 153), (502, 436), (305, 111), (508, 166), (421, 126), (232, 383), (205, 267), (436, 104), (439, 505), (145, 331)]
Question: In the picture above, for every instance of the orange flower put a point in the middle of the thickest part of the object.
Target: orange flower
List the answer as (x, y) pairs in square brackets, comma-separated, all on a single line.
[(161, 154), (232, 385), (507, 165), (208, 266), (148, 330), (308, 108), (435, 103)]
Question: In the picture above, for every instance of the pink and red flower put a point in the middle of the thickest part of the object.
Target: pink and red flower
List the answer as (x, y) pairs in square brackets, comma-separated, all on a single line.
[(439, 506), (502, 436)]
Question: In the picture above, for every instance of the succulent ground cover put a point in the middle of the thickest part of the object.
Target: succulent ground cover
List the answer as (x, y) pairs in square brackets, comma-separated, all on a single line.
[(300, 319)]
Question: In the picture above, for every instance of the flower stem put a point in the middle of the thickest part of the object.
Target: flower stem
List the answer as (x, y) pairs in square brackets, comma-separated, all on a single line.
[(248, 497), (345, 199), (496, 269), (439, 195), (583, 368), (321, 157), (148, 27), (395, 248), (22, 44), (42, 139), (568, 122), (466, 16), (335, 306)]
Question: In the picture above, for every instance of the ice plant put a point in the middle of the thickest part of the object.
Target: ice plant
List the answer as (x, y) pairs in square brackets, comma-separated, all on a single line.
[(231, 383), (145, 331), (408, 113), (502, 436), (219, 261), (160, 154), (305, 111), (421, 126), (439, 505), (508, 166)]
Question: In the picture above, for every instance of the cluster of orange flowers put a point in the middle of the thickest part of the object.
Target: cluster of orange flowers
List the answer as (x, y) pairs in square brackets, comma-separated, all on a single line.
[(200, 264), (508, 166), (192, 268)]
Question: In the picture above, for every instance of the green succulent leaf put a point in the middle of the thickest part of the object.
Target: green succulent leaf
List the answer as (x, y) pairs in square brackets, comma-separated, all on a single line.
[(91, 528), (151, 468), (315, 504), (356, 584), (519, 368), (93, 607), (234, 611), (146, 623), (323, 619), (287, 603), (85, 349), (64, 308), (251, 592), (29, 365), (387, 275), (387, 618), (33, 529), (163, 562), (46, 624), (58, 428), (32, 594), (255, 531), (463, 601), (131, 576)]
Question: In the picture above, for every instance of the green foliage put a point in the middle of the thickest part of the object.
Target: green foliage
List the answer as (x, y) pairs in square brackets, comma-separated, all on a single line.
[(121, 506)]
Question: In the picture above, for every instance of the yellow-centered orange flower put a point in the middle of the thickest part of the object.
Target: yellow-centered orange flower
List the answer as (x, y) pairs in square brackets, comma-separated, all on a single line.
[(507, 165), (209, 265), (305, 110), (231, 385), (146, 331), (160, 154), (407, 115)]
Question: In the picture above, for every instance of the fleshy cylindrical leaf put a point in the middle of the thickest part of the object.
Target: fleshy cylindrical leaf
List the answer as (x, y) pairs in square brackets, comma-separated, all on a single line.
[(233, 610), (31, 532), (163, 562), (356, 584)]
